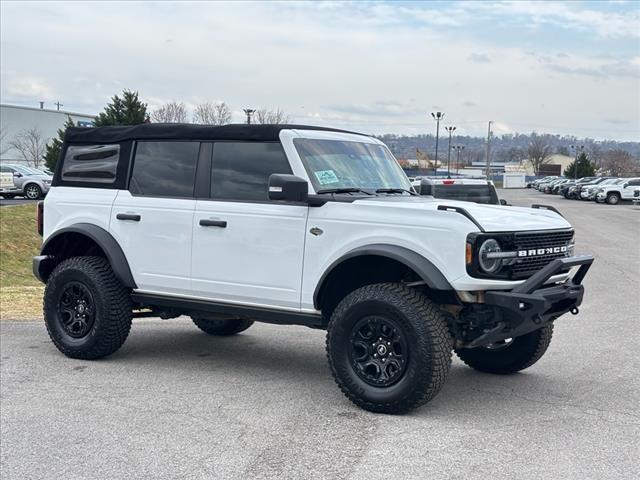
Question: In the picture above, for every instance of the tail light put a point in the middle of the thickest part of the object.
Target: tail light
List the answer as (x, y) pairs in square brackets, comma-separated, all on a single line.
[(448, 182), (40, 217)]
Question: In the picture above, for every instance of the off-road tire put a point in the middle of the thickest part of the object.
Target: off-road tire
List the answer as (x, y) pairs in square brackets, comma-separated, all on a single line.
[(428, 341), (521, 353), (112, 308), (222, 328), (613, 198), (32, 191)]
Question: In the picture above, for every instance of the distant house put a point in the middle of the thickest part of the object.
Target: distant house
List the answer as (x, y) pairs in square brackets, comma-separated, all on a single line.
[(555, 165), (14, 119)]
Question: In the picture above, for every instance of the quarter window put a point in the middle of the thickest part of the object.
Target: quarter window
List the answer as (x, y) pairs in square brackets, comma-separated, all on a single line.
[(241, 170), (164, 169), (91, 163)]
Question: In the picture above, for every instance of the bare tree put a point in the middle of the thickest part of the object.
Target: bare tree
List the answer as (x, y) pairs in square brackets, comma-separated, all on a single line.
[(31, 146), (539, 151), (271, 117), (212, 113), (4, 145), (618, 163), (172, 112)]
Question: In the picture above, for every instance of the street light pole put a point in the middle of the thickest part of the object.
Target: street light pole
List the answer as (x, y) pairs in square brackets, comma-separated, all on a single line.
[(458, 148), (437, 117), (249, 113), (450, 130)]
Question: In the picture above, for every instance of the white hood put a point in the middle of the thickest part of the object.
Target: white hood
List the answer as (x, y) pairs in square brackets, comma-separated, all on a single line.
[(493, 218)]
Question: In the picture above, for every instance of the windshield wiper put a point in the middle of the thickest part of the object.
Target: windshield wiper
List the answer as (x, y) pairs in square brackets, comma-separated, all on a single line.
[(344, 190), (395, 190)]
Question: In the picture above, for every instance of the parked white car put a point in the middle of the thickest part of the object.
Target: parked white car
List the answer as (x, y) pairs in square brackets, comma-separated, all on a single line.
[(298, 225), (589, 192), (623, 190)]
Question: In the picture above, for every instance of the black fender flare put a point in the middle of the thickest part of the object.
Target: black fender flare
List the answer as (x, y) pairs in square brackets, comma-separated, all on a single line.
[(105, 241), (426, 270)]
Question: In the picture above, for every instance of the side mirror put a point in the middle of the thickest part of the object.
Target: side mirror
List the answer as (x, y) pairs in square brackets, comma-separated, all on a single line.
[(503, 202), (426, 187), (288, 188), (17, 174)]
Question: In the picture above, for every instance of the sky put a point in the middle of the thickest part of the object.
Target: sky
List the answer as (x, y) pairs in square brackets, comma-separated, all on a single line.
[(378, 67)]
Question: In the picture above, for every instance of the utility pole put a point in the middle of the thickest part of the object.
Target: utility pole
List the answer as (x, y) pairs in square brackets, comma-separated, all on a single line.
[(489, 133), (575, 159), (458, 148), (249, 113), (437, 117), (450, 130), (58, 104)]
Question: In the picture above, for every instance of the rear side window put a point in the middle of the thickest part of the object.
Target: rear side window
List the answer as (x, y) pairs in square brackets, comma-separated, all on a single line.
[(91, 163), (164, 169), (241, 170)]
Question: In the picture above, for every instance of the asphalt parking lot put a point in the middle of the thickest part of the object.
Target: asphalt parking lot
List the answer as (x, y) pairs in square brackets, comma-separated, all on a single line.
[(6, 202), (176, 403)]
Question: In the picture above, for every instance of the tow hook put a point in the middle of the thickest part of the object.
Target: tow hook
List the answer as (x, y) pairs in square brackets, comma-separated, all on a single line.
[(575, 311)]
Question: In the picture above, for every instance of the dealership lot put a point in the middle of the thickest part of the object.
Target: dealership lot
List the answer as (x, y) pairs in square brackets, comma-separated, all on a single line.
[(174, 402)]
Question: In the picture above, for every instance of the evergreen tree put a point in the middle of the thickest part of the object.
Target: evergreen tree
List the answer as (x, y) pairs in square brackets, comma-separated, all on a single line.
[(584, 166), (125, 110), (53, 148)]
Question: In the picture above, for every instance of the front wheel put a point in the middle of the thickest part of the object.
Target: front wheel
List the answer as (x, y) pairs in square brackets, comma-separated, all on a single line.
[(389, 348), (613, 198), (508, 356)]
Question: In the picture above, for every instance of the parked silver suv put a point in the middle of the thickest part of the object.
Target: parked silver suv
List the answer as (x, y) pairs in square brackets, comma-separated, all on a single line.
[(30, 182)]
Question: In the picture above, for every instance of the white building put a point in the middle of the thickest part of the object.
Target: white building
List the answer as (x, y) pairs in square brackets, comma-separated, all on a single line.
[(15, 119)]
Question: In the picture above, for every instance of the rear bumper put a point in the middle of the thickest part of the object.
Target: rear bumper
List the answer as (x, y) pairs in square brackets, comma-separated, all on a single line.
[(532, 305), (42, 266)]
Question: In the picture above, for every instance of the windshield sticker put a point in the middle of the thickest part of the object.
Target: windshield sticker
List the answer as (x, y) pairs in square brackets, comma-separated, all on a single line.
[(326, 177)]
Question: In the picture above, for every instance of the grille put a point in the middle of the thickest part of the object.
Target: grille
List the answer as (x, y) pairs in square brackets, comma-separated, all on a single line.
[(527, 266)]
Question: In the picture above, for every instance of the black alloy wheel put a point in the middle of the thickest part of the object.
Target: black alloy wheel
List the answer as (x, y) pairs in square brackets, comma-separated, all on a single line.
[(379, 351), (76, 309)]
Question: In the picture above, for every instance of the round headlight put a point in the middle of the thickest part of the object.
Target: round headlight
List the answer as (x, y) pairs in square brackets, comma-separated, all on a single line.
[(489, 265)]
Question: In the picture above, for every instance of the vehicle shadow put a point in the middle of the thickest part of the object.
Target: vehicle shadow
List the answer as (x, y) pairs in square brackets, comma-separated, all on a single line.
[(261, 354)]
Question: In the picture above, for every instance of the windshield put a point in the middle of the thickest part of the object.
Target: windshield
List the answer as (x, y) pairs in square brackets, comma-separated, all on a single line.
[(336, 164)]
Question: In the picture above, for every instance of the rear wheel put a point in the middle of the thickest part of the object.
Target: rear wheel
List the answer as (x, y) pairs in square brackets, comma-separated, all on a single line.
[(87, 311), (509, 356), (389, 348), (613, 198), (222, 327), (32, 191)]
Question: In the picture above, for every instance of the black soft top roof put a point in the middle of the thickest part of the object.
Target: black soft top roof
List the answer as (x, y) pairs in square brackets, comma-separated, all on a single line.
[(186, 131)]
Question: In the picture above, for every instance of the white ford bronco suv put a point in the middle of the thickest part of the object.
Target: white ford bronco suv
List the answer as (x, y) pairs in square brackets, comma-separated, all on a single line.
[(297, 225)]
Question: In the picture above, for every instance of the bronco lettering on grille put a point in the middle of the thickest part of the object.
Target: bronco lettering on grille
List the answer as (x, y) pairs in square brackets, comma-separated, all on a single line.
[(542, 251)]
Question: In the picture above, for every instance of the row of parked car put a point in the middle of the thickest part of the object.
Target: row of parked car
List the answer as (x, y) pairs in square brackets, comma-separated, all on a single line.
[(609, 190), (22, 181)]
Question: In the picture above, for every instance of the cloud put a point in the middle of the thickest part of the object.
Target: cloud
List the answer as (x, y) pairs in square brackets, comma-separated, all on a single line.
[(479, 58), (375, 67)]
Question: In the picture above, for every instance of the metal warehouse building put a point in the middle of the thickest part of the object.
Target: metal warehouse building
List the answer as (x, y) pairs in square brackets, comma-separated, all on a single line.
[(15, 119)]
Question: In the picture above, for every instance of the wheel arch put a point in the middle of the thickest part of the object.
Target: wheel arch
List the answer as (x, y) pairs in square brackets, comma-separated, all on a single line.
[(82, 239), (383, 255)]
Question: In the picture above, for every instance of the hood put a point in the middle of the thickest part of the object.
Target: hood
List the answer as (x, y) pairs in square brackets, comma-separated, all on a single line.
[(493, 218)]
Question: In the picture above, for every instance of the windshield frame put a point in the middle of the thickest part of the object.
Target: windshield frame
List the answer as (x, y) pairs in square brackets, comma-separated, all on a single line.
[(400, 181)]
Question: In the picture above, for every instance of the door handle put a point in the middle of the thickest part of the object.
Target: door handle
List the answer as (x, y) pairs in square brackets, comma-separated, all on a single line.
[(213, 223), (128, 216)]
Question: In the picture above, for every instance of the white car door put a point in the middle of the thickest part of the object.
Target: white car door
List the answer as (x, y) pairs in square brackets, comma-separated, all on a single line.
[(152, 221), (247, 249), (629, 188)]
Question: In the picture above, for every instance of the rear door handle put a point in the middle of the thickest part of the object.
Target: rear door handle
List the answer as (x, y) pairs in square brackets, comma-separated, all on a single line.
[(213, 223), (128, 216)]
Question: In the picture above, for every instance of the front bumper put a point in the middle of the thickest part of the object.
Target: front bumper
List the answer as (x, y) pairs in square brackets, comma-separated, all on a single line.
[(532, 305)]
